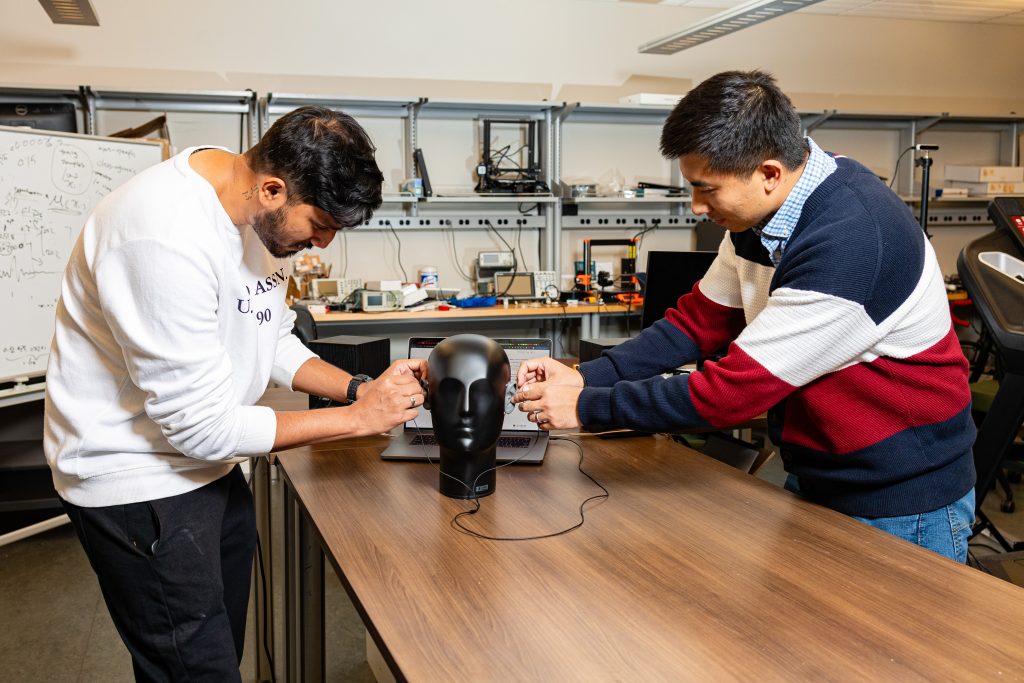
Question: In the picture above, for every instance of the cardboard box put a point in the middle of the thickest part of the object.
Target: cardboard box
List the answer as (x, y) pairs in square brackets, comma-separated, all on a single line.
[(989, 189), (985, 174)]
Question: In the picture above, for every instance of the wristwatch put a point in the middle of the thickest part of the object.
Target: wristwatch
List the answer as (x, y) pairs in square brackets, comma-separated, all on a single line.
[(353, 386)]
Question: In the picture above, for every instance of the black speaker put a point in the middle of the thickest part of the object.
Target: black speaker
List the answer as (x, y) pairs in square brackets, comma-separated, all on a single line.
[(592, 348), (356, 355)]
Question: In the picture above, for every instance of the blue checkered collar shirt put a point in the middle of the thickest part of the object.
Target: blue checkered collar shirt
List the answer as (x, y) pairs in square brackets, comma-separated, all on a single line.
[(775, 233)]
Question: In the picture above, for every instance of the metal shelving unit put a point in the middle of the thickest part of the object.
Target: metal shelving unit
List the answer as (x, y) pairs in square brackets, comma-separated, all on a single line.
[(67, 95), (911, 126), (656, 199), (276, 104), (240, 102), (548, 207)]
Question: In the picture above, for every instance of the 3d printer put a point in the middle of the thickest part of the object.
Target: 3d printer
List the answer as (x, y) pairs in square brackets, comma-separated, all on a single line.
[(499, 172), (601, 285)]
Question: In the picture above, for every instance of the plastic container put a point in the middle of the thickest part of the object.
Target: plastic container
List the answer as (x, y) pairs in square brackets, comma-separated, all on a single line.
[(428, 276)]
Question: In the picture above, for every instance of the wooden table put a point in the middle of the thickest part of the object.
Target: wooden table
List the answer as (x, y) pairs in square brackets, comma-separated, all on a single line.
[(689, 571)]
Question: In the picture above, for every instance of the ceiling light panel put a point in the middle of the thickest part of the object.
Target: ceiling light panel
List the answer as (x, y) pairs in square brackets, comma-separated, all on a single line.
[(724, 23)]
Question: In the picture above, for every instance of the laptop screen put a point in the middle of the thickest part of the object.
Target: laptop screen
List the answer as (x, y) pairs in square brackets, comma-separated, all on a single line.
[(517, 351)]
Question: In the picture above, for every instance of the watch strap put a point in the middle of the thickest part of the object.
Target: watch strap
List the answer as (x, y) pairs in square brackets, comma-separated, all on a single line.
[(353, 386)]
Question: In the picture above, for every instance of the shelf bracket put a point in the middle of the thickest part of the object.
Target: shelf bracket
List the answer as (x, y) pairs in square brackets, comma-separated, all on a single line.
[(814, 122)]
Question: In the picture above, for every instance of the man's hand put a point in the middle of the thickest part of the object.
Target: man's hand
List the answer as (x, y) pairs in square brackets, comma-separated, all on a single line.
[(391, 399), (551, 406), (416, 366), (547, 370)]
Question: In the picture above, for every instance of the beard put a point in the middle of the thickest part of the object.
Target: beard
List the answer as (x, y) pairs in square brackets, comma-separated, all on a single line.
[(269, 227)]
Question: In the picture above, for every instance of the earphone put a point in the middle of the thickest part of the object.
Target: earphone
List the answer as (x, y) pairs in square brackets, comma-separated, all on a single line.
[(510, 392)]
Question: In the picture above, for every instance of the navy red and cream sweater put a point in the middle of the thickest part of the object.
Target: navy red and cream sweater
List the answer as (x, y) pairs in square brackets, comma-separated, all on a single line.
[(847, 344)]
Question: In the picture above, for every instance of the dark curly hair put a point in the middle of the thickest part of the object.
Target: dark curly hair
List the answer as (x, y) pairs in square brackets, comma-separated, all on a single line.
[(326, 159), (735, 120)]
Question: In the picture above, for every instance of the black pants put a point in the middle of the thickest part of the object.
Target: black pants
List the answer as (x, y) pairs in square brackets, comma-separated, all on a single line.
[(175, 576)]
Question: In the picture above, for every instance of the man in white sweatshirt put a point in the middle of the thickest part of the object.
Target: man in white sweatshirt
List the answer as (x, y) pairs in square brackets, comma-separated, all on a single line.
[(171, 322)]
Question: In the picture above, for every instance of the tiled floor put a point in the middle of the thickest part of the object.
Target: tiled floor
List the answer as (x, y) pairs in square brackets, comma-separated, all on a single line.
[(56, 628)]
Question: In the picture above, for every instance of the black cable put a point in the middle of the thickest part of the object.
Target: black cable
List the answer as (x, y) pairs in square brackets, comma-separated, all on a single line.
[(405, 277), (519, 244), (344, 253), (579, 466), (515, 262), (476, 501), (455, 255), (263, 574), (640, 235), (565, 329), (897, 169)]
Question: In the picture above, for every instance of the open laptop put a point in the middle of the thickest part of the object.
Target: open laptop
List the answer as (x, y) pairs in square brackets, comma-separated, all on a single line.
[(520, 440)]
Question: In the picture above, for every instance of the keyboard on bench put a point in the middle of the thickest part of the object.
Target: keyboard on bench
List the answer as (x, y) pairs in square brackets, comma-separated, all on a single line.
[(503, 441)]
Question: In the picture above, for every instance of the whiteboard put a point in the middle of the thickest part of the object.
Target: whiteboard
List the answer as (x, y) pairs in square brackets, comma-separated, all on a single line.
[(49, 184)]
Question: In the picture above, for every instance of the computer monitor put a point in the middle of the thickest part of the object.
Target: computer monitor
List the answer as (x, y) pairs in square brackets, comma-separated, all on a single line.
[(59, 116), (670, 275)]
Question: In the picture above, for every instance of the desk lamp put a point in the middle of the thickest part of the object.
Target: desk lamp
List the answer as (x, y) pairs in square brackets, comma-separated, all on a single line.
[(468, 376)]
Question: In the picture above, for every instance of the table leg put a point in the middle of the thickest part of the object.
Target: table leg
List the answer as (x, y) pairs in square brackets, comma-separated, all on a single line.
[(290, 593), (264, 628), (304, 595), (311, 588)]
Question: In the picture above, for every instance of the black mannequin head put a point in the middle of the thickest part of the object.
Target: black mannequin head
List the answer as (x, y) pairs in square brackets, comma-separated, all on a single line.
[(468, 376)]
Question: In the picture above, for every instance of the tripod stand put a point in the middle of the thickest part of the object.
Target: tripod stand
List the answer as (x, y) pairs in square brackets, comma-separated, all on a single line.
[(925, 162)]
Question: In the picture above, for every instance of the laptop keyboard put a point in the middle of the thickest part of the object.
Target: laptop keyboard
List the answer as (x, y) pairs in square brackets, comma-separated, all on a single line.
[(503, 441)]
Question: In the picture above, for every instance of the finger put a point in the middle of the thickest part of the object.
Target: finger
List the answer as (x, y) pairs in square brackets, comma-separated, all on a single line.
[(401, 367), (530, 392), (530, 406), (404, 381)]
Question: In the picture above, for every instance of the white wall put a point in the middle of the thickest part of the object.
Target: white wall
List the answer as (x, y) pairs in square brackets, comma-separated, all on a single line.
[(515, 49), (229, 42)]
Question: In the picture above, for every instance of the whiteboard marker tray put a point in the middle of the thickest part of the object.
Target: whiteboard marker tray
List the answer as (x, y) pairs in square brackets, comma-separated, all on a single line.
[(1005, 264)]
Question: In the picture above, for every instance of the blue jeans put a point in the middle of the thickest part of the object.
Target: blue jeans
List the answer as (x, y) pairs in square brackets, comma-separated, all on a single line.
[(945, 530)]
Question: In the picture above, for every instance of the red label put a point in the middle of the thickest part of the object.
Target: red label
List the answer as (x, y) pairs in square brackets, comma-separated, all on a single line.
[(1019, 222)]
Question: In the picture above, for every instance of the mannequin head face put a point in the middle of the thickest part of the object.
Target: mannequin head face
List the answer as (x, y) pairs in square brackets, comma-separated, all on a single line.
[(468, 376)]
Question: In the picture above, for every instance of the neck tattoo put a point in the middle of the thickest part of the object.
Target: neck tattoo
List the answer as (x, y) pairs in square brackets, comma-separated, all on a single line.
[(250, 193)]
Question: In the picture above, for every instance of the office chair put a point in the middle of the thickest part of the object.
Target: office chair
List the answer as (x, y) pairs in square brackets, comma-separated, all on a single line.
[(305, 326)]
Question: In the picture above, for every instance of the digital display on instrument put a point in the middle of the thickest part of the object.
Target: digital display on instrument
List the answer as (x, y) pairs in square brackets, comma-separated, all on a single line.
[(326, 288), (514, 285)]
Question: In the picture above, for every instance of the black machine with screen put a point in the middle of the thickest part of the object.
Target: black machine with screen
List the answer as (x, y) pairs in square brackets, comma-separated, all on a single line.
[(670, 275), (992, 270), (59, 116)]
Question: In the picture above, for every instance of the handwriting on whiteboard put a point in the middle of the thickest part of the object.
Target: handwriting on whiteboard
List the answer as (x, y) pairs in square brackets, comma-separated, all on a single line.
[(49, 184), (47, 187)]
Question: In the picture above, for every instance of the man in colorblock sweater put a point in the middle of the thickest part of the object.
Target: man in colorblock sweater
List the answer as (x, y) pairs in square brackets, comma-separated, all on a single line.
[(830, 306)]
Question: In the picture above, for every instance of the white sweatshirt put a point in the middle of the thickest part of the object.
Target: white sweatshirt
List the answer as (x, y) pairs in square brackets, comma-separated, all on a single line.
[(170, 324)]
